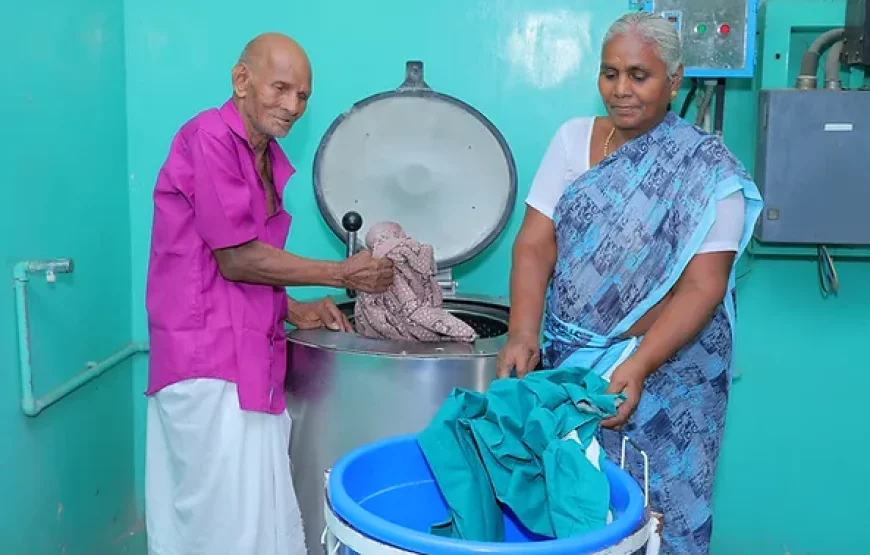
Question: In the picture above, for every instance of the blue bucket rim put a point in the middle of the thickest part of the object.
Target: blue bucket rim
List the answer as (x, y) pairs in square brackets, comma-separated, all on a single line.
[(382, 530)]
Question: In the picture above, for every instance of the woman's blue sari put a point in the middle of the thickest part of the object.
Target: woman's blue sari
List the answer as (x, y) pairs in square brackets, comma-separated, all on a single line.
[(625, 231)]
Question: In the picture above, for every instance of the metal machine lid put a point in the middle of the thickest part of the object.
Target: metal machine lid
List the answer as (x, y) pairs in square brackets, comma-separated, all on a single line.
[(423, 159)]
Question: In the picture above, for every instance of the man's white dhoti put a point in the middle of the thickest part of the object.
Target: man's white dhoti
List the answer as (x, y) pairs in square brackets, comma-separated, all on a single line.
[(217, 479)]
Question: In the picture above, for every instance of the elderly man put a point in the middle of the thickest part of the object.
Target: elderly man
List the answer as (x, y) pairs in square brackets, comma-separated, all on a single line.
[(217, 470)]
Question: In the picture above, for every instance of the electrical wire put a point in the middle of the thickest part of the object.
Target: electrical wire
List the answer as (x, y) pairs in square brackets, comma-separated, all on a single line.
[(829, 283), (720, 107), (750, 262), (689, 98), (704, 103)]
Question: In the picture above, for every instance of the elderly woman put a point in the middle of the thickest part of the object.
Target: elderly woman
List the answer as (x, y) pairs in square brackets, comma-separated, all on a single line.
[(627, 252)]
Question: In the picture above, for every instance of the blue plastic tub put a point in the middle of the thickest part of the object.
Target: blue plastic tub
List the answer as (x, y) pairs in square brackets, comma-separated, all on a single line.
[(385, 491)]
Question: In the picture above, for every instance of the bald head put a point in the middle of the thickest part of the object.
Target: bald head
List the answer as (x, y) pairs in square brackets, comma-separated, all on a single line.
[(263, 47), (271, 84)]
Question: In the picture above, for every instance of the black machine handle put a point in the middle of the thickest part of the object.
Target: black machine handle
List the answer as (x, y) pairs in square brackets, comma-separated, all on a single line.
[(351, 222)]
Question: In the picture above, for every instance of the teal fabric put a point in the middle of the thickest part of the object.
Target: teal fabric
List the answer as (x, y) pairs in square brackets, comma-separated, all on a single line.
[(506, 447)]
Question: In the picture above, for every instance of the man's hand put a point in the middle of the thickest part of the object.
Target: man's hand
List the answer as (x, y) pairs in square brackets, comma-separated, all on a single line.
[(628, 378), (521, 352), (317, 314), (366, 273)]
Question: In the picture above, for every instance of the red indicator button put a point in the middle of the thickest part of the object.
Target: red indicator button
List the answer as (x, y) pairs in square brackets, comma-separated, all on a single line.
[(724, 29)]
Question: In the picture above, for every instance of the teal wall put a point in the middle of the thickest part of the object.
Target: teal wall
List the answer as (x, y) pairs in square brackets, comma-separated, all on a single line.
[(67, 475), (76, 472)]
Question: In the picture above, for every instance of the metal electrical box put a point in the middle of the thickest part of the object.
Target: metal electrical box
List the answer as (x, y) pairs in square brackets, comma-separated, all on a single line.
[(856, 49), (718, 36), (811, 156)]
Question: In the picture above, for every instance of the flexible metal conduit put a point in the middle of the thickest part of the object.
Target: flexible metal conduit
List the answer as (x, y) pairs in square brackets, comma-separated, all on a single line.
[(810, 63), (30, 404), (832, 66)]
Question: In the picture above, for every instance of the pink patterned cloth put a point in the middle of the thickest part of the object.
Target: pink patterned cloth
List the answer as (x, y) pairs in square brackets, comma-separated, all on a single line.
[(411, 308)]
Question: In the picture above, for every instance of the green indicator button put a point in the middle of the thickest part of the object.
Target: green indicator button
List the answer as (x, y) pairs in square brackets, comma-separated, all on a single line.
[(701, 29)]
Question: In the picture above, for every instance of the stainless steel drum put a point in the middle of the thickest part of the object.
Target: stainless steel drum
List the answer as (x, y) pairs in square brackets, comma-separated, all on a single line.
[(440, 169)]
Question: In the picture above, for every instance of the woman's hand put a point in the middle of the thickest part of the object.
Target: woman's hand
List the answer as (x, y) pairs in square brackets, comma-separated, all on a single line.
[(521, 352), (534, 256), (317, 314), (695, 297), (628, 378)]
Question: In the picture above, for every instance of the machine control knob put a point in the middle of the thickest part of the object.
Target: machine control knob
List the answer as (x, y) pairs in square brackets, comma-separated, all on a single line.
[(351, 222)]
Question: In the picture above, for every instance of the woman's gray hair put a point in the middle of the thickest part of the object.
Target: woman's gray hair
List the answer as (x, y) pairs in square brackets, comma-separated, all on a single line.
[(655, 29)]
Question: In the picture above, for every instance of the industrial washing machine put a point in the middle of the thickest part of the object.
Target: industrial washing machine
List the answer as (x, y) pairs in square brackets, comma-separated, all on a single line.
[(443, 171)]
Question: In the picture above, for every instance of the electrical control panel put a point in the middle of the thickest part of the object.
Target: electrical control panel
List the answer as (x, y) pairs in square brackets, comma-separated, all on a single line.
[(810, 167), (718, 36)]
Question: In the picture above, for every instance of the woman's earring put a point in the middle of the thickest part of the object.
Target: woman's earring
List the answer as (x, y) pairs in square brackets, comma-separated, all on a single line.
[(673, 94)]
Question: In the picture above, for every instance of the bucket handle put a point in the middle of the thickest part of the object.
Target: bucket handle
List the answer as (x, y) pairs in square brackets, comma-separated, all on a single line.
[(324, 542), (626, 440)]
